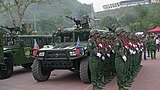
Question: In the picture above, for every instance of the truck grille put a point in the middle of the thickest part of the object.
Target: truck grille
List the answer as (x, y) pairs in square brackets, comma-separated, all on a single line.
[(57, 54)]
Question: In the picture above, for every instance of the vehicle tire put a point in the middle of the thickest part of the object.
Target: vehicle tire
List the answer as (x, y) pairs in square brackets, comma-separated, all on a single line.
[(84, 71), (28, 65), (9, 69), (39, 73)]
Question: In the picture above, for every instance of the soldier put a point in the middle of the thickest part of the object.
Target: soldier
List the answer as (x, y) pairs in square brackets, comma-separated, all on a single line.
[(152, 44), (120, 58), (144, 47), (107, 49), (148, 46), (112, 53), (127, 63), (101, 59), (94, 60)]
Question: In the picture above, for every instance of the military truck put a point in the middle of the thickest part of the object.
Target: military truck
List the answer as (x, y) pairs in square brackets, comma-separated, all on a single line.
[(69, 52), (17, 50)]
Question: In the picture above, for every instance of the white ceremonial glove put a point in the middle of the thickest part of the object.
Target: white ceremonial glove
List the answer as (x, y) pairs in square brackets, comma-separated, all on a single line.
[(137, 49), (131, 51), (108, 55), (141, 50), (124, 58), (134, 52), (126, 47), (109, 46), (134, 45), (103, 58), (99, 55), (100, 45), (130, 43), (113, 51)]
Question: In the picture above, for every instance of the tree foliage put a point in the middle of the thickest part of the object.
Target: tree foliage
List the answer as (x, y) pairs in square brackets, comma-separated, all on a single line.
[(108, 21), (137, 18), (16, 9)]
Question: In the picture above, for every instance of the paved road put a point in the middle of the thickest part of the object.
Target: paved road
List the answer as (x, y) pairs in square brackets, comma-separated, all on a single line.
[(147, 79)]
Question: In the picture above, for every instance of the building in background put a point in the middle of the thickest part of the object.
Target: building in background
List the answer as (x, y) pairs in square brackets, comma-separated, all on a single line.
[(128, 4), (155, 1)]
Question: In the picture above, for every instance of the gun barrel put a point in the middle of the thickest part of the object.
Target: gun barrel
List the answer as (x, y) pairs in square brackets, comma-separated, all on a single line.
[(69, 17)]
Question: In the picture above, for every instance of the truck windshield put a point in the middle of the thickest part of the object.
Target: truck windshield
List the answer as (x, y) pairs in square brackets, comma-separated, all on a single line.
[(70, 36)]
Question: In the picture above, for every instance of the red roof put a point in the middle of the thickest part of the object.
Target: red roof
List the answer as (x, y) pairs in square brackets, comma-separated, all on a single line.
[(157, 29)]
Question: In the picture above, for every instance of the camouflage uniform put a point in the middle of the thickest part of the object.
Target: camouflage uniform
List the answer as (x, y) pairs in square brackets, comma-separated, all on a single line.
[(152, 44), (119, 62), (101, 59), (94, 60)]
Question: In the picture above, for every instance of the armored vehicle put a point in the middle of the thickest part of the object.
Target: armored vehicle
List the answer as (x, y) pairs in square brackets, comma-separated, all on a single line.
[(17, 50), (68, 52)]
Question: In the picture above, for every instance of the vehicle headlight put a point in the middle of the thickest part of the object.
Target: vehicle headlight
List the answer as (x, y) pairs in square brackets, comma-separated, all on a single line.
[(73, 53), (41, 53)]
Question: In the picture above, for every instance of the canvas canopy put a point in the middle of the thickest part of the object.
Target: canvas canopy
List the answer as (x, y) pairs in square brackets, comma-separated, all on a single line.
[(157, 29)]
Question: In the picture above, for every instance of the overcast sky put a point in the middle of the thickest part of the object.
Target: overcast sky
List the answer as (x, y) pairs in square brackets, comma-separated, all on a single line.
[(99, 3)]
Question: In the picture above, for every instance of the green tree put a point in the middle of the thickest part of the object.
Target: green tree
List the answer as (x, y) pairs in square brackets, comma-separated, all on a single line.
[(108, 21), (127, 19), (16, 9)]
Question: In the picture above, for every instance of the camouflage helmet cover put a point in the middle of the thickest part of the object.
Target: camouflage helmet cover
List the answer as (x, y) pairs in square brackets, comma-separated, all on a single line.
[(105, 34), (119, 30)]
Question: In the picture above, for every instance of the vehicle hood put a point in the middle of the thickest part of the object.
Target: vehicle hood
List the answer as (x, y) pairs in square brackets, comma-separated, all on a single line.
[(62, 46)]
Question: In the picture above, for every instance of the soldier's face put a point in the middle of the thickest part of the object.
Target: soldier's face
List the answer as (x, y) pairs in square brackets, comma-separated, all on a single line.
[(96, 35), (101, 36)]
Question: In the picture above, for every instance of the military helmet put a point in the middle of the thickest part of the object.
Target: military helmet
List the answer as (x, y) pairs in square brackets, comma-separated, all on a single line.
[(105, 34), (119, 30), (100, 33), (85, 16), (93, 32)]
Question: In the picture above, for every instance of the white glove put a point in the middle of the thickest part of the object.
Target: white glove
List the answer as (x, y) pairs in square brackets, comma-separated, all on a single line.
[(134, 52), (100, 45), (126, 47), (134, 45), (124, 58), (108, 55), (137, 49), (130, 43), (113, 51), (109, 46), (131, 51), (103, 58), (99, 55), (141, 50)]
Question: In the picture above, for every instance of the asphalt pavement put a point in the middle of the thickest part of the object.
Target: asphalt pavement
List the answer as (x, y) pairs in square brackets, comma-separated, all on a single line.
[(147, 79)]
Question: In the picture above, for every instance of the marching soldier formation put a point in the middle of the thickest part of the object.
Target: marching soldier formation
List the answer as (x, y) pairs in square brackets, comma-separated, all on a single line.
[(111, 55)]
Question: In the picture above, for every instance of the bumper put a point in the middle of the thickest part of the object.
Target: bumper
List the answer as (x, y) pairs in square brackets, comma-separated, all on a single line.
[(60, 63)]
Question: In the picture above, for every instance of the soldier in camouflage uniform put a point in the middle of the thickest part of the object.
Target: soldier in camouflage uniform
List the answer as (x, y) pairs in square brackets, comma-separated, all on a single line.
[(106, 44), (152, 43), (120, 59), (94, 59), (101, 47), (112, 53)]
